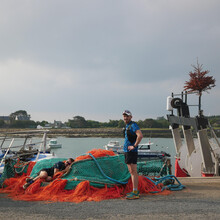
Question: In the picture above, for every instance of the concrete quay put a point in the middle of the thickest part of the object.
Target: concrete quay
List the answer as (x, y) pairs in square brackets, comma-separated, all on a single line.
[(199, 200)]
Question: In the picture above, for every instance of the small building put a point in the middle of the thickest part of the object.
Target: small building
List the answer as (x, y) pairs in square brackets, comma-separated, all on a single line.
[(6, 119), (57, 124), (22, 117), (48, 126)]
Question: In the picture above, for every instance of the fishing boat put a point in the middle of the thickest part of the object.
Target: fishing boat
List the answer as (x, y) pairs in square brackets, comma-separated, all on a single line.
[(54, 144), (25, 146), (113, 145), (144, 151), (196, 144)]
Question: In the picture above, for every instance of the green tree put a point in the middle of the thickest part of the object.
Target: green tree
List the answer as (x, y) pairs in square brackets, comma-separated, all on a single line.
[(2, 123), (93, 124), (162, 123), (78, 122), (140, 124), (121, 123), (17, 113), (42, 123), (148, 123), (23, 124), (214, 120), (113, 123)]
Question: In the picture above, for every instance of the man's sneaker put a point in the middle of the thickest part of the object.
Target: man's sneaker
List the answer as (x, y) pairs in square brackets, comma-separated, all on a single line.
[(133, 195), (28, 180), (127, 194), (25, 186)]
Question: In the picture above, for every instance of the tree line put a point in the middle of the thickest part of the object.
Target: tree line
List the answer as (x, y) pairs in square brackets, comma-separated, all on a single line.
[(81, 122), (75, 122)]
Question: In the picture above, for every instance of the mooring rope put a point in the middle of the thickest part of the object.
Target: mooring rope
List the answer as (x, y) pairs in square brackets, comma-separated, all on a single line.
[(100, 169), (171, 187)]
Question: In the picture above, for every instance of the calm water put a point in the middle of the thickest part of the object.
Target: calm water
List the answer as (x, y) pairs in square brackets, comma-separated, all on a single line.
[(77, 146), (73, 147)]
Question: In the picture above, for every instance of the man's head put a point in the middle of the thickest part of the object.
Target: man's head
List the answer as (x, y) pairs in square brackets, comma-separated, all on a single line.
[(69, 161), (127, 116)]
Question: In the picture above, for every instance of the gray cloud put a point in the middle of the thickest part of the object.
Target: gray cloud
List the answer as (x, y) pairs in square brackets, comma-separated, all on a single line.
[(95, 58)]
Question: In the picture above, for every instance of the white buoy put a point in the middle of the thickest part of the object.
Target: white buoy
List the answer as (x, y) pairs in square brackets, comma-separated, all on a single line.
[(169, 107)]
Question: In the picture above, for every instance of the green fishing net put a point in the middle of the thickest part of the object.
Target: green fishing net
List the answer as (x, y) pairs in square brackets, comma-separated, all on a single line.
[(108, 170)]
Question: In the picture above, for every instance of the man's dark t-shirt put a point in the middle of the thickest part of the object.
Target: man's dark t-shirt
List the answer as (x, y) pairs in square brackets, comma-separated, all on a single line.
[(59, 165)]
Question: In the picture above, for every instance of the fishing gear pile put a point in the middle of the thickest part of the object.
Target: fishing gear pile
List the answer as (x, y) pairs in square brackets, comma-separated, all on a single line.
[(96, 176)]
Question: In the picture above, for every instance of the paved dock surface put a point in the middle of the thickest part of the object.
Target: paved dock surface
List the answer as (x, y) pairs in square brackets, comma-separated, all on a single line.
[(200, 200)]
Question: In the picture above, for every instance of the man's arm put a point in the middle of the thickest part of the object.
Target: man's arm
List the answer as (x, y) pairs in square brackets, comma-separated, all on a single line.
[(56, 170), (67, 168), (138, 140), (139, 137)]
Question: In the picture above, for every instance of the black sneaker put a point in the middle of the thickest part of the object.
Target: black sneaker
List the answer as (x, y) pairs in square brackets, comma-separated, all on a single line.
[(25, 186), (28, 180)]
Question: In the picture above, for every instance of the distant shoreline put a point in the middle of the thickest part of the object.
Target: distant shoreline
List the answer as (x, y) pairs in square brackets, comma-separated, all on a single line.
[(106, 132), (98, 132), (101, 132)]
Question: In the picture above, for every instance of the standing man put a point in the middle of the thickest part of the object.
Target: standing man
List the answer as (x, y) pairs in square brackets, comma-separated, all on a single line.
[(133, 137)]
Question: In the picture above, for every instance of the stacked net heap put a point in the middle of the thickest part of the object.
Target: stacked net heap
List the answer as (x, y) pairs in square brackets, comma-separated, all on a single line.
[(98, 175)]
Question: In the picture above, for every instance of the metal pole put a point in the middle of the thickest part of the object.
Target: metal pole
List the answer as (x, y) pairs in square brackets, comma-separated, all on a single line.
[(200, 104), (7, 151), (172, 97)]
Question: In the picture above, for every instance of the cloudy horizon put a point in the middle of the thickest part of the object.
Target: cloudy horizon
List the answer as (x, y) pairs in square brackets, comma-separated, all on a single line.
[(60, 59)]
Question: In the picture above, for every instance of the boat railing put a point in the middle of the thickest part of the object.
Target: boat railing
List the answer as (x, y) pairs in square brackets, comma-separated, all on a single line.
[(27, 145), (23, 149), (145, 146), (28, 132), (6, 153)]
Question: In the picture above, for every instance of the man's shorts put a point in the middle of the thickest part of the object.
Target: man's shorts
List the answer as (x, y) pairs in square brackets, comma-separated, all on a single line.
[(50, 171), (131, 157)]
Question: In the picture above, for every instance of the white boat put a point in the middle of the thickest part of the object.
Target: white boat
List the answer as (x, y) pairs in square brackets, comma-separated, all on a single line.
[(198, 152), (24, 145), (144, 151), (113, 145), (54, 144)]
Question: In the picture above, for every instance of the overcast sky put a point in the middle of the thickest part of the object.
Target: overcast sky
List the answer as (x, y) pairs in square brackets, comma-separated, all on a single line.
[(95, 58)]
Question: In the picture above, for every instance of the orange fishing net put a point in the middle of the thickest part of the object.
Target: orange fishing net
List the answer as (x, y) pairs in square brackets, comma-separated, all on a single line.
[(96, 153), (55, 190)]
